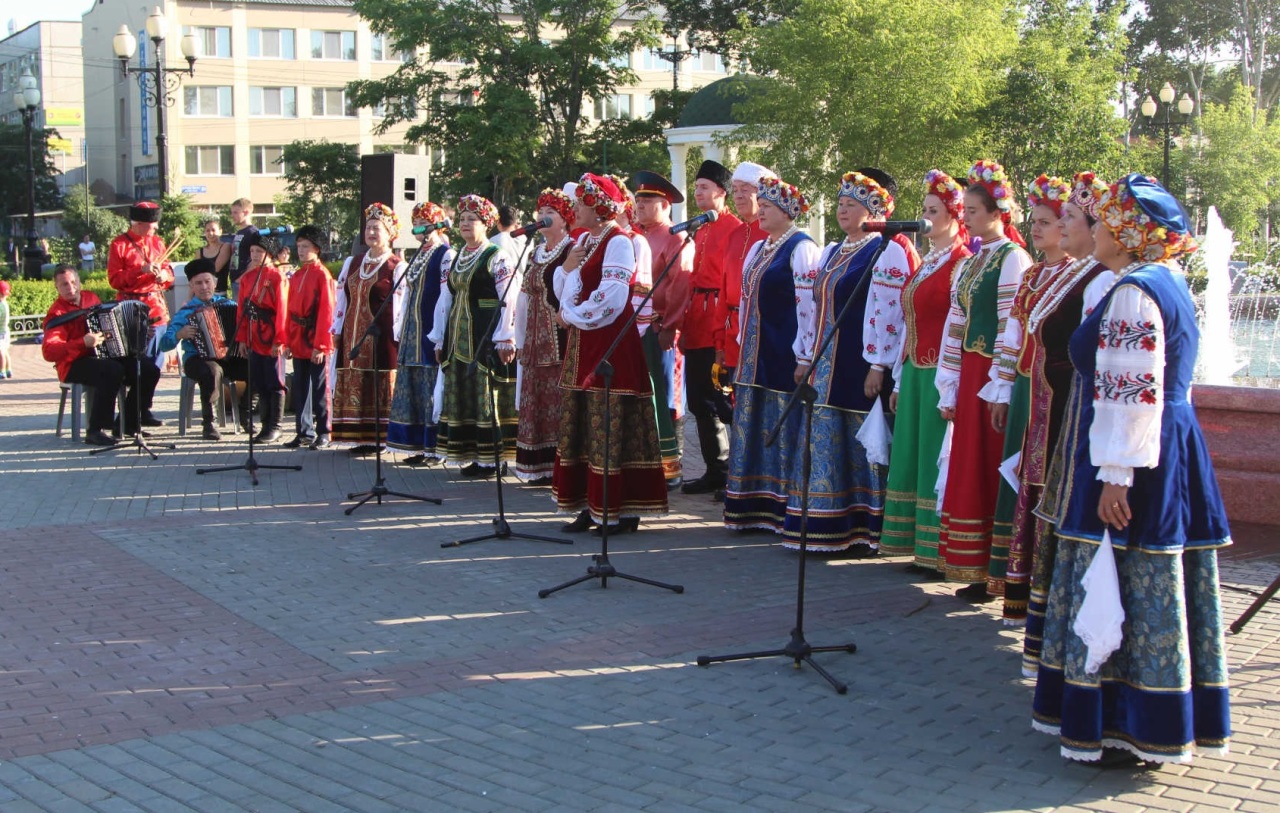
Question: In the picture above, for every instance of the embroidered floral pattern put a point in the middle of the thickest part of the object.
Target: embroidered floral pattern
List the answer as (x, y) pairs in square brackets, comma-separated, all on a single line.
[(1127, 335), (1125, 388)]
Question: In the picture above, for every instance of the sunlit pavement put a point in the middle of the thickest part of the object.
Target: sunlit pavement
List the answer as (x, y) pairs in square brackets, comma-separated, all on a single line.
[(171, 641)]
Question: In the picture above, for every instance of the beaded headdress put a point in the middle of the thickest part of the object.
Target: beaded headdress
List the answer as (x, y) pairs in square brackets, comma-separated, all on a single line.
[(1087, 190), (628, 199), (559, 202), (601, 194), (945, 188), (783, 195), (426, 213), (1049, 191), (481, 207), (867, 192), (1146, 220), (384, 214)]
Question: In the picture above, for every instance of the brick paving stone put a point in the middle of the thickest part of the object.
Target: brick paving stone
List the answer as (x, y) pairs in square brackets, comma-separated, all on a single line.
[(176, 642)]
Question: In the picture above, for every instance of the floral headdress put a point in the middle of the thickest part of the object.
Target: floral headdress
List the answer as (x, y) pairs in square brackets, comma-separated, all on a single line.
[(481, 207), (783, 195), (426, 213), (1048, 191), (991, 177), (867, 192), (628, 199), (384, 214), (559, 201), (942, 185), (1087, 190), (1146, 220), (601, 194)]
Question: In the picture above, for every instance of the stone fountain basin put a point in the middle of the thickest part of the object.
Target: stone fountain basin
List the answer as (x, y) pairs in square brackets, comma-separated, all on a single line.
[(1242, 428)]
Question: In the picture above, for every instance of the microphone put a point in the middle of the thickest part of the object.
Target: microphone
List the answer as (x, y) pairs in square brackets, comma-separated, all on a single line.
[(694, 222), (899, 227), (525, 231), (275, 230), (443, 224)]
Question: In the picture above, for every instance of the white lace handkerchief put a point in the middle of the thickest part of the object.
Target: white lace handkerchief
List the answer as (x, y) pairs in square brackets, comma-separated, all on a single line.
[(944, 461), (875, 436), (1101, 618)]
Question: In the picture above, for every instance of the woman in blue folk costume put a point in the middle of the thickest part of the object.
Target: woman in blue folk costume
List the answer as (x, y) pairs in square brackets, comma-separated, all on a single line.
[(846, 491), (412, 425), (1133, 664), (777, 300)]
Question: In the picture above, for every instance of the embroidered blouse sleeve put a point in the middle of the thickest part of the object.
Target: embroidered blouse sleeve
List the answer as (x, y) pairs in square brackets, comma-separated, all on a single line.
[(805, 262), (643, 283), (566, 285), (1004, 369), (1128, 387), (883, 320), (505, 277), (1096, 290), (603, 305), (398, 300), (340, 305), (947, 379), (440, 318)]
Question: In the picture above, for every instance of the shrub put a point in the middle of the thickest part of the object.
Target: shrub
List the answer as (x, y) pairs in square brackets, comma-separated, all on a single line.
[(33, 297)]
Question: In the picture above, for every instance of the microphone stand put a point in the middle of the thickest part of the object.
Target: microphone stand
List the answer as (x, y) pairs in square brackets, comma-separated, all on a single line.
[(250, 312), (799, 649), (603, 569), (139, 440), (379, 488), (501, 528)]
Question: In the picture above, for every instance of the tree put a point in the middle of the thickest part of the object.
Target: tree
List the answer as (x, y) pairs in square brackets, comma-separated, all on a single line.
[(503, 83), (859, 83), (13, 181), (322, 186), (81, 216), (1055, 112), (1178, 39), (722, 26), (1238, 164), (180, 223)]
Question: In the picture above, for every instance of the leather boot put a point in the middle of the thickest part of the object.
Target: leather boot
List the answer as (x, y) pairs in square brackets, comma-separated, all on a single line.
[(272, 412)]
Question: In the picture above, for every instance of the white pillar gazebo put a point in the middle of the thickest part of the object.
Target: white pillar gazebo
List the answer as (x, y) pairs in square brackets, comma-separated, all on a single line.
[(705, 121)]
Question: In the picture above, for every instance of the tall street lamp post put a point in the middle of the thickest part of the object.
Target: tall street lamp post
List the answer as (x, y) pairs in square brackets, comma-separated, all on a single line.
[(27, 99), (1185, 106), (158, 82)]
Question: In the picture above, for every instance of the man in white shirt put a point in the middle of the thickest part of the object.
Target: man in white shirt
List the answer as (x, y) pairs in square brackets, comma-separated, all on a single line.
[(508, 216), (86, 254)]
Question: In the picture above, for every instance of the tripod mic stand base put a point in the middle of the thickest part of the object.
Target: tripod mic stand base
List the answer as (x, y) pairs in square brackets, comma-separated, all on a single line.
[(138, 443), (379, 490), (797, 649), (251, 465), (604, 570), (502, 530)]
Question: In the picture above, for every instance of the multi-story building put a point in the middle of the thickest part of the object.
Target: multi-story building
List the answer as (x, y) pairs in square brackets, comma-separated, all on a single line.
[(268, 72), (51, 51)]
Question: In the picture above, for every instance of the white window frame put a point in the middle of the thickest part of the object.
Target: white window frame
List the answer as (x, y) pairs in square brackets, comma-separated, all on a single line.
[(286, 98), (226, 153), (321, 111), (223, 106), (261, 36), (345, 38), (269, 167)]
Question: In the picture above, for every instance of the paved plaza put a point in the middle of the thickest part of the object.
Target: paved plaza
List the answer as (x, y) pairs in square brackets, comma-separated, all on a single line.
[(174, 642)]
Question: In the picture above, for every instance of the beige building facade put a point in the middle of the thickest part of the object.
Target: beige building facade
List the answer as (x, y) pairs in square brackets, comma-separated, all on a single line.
[(51, 51), (268, 72)]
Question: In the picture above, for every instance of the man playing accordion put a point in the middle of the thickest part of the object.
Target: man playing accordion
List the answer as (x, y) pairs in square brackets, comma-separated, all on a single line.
[(70, 345), (203, 366)]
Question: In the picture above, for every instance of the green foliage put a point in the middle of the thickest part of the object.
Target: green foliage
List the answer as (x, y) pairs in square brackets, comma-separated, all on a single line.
[(178, 215), (1237, 164), (503, 94), (13, 181), (323, 186), (863, 83), (81, 217), (1054, 112), (31, 297), (722, 26)]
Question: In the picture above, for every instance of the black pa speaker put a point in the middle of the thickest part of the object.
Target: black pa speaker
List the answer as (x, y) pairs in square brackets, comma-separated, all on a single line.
[(399, 181)]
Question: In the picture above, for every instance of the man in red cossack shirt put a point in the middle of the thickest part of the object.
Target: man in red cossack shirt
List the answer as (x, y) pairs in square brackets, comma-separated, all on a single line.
[(710, 406), (70, 346), (136, 270), (311, 304), (260, 330)]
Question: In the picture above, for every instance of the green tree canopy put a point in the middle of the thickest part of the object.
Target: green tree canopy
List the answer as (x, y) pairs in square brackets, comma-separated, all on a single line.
[(322, 183), (13, 181), (501, 84), (81, 216)]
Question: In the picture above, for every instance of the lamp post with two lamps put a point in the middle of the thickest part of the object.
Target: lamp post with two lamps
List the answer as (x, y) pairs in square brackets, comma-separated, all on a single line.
[(158, 82), (1185, 106), (27, 99)]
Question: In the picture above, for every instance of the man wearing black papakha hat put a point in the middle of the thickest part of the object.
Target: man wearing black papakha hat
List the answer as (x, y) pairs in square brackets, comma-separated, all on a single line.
[(311, 304), (260, 330), (710, 406), (136, 268), (202, 278)]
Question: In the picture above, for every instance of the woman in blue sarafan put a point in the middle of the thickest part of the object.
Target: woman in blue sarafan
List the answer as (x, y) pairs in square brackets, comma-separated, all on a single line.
[(777, 302), (846, 491), (1133, 665)]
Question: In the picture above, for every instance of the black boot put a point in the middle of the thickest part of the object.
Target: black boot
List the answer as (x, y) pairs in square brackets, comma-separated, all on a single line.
[(272, 413), (579, 525)]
